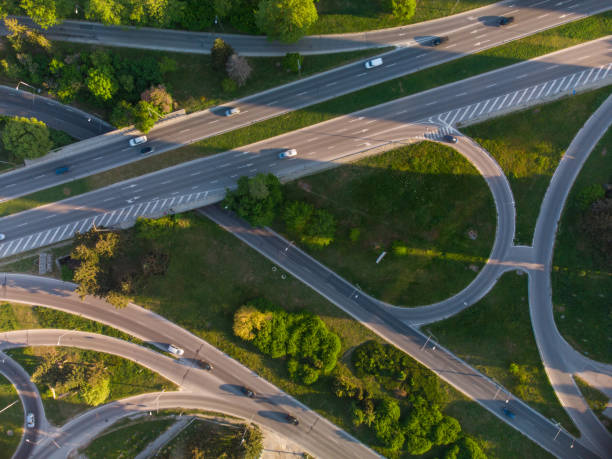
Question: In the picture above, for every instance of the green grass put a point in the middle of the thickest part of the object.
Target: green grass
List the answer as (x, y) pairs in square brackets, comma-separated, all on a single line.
[(581, 280), (343, 16), (11, 420), (126, 439), (211, 274), (126, 378), (597, 401), (496, 332), (526, 48), (528, 146), (425, 197)]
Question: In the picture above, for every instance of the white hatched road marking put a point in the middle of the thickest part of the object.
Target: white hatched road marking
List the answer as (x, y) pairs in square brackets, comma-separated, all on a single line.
[(569, 82), (45, 238), (475, 108), (514, 94), (118, 218), (607, 70), (503, 102), (64, 232), (484, 107), (37, 237), (579, 78), (531, 94), (493, 105), (542, 90), (551, 88), (27, 242), (153, 208), (588, 76)]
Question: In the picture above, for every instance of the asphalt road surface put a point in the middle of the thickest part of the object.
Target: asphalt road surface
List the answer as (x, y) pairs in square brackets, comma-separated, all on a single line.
[(467, 34), (193, 184), (315, 433), (541, 13)]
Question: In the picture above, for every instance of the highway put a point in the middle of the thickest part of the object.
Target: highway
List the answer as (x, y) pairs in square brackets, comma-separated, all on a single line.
[(203, 181), (219, 388), (541, 13), (467, 34)]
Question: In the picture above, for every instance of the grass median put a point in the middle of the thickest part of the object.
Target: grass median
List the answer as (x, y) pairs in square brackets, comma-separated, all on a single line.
[(597, 401), (582, 274), (11, 418), (511, 53), (423, 204), (495, 336)]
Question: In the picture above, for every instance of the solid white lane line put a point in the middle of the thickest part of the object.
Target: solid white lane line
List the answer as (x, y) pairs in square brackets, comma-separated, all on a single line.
[(461, 94), (583, 57), (195, 173), (392, 64), (97, 158), (430, 103), (213, 121), (40, 176), (522, 76)]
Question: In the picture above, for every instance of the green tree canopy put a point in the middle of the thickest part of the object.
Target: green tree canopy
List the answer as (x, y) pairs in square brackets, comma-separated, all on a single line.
[(219, 54), (42, 12), (403, 9), (256, 199), (101, 83), (145, 116), (285, 20), (26, 137)]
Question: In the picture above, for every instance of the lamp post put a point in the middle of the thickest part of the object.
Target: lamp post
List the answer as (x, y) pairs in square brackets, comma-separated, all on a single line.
[(29, 86)]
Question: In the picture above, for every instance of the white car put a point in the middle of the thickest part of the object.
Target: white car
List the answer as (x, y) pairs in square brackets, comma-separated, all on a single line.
[(138, 140), (30, 420), (288, 153), (172, 349), (2, 237), (232, 111), (373, 63)]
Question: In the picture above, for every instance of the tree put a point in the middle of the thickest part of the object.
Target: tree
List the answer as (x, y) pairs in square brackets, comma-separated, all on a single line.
[(253, 444), (466, 448), (446, 431), (248, 320), (293, 62), (296, 216), (256, 199), (101, 83), (238, 69), (42, 12), (403, 9), (122, 115), (219, 54), (321, 229), (106, 11), (19, 34), (159, 98), (222, 7), (95, 391), (26, 137), (144, 116), (285, 20)]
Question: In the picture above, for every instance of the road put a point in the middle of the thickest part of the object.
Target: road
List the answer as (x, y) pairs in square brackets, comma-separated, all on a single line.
[(30, 401), (468, 34), (220, 389), (203, 181), (540, 14), (25, 102)]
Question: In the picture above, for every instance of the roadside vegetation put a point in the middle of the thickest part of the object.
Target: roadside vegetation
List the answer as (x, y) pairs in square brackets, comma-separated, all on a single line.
[(208, 438), (71, 381), (548, 41), (528, 146), (11, 419), (126, 438), (597, 401), (582, 274), (495, 336), (280, 19), (209, 275)]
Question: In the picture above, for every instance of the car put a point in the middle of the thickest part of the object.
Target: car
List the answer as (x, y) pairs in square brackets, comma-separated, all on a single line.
[(438, 40), (288, 153), (173, 349), (30, 420), (2, 236), (146, 150), (138, 140), (232, 111), (450, 138), (508, 413), (205, 365), (292, 420), (62, 170), (248, 392), (505, 20), (373, 62)]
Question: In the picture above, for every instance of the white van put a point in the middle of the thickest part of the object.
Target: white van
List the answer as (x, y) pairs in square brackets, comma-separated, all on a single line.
[(373, 63)]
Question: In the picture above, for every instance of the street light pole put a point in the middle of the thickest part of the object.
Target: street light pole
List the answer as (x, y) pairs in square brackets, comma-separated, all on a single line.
[(157, 400)]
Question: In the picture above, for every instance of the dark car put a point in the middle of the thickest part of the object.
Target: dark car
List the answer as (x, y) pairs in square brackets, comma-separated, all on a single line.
[(145, 150), (450, 138), (508, 413), (205, 365), (248, 392), (62, 170), (292, 420), (438, 40), (505, 20)]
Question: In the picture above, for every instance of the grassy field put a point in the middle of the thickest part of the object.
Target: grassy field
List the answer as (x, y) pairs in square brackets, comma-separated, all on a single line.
[(11, 420), (126, 378), (597, 401), (528, 146), (526, 48), (342, 16), (211, 274), (126, 439), (581, 280), (425, 197), (496, 333)]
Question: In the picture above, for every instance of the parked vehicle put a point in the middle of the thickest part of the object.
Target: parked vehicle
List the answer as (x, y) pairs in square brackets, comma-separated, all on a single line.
[(373, 63), (138, 140)]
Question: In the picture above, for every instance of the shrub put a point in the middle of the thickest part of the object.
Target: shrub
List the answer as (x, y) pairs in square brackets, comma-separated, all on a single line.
[(219, 54), (293, 62), (238, 69), (229, 86)]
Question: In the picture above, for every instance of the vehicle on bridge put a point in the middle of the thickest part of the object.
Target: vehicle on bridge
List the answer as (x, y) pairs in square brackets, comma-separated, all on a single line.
[(175, 350)]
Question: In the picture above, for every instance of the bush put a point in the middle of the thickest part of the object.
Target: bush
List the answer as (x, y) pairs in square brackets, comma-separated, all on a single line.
[(293, 62), (122, 115), (403, 9), (238, 69), (26, 138), (219, 54), (229, 86), (256, 199)]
